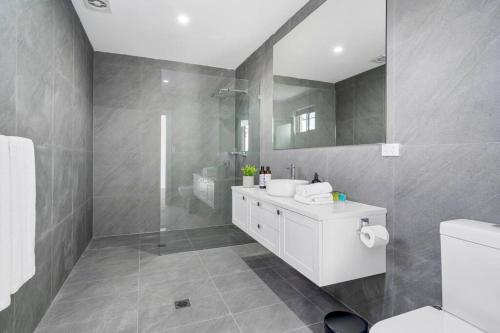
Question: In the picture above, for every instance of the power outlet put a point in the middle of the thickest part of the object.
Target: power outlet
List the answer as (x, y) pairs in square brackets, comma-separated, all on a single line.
[(390, 150)]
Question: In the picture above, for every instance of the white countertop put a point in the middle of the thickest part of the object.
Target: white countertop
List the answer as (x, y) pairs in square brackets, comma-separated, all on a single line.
[(325, 212)]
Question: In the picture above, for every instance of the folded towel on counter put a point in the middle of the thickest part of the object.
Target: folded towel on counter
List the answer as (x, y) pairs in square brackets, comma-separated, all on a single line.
[(22, 211), (5, 222), (314, 189), (319, 200), (319, 197)]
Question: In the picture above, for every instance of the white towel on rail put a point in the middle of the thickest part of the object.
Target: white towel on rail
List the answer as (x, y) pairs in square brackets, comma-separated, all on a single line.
[(5, 233), (23, 211)]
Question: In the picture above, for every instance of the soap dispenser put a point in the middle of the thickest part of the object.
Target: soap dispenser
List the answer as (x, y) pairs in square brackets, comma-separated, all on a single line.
[(316, 179)]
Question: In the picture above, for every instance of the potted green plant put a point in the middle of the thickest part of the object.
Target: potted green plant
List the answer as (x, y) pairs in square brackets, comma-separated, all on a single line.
[(249, 172)]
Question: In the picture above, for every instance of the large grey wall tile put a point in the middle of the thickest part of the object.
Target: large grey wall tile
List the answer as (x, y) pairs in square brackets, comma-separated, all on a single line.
[(44, 183), (63, 249), (448, 182), (62, 191), (447, 94), (34, 99), (8, 66), (120, 213), (63, 112), (36, 96), (64, 39)]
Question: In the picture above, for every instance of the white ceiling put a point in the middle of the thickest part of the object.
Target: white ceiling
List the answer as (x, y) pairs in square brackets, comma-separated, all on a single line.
[(356, 25), (221, 33)]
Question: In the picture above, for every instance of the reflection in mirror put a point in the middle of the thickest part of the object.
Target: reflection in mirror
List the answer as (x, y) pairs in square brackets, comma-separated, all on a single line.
[(330, 77)]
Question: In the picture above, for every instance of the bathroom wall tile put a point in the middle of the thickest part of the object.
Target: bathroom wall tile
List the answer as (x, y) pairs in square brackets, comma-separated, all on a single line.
[(43, 165), (7, 67), (36, 66), (82, 228), (34, 99), (309, 161), (63, 112), (447, 95), (117, 173), (63, 252), (64, 39), (82, 123), (363, 174), (117, 215), (448, 182), (62, 191), (35, 23), (117, 85), (117, 129), (79, 177), (149, 217), (34, 297)]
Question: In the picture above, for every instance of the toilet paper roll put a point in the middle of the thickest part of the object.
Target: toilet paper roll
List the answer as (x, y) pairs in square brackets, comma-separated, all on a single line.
[(374, 236)]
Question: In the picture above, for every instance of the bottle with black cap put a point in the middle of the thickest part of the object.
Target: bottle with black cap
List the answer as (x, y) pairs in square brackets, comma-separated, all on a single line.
[(316, 179), (262, 178)]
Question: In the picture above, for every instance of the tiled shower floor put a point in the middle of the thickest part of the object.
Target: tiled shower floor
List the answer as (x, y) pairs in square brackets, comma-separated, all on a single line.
[(120, 284)]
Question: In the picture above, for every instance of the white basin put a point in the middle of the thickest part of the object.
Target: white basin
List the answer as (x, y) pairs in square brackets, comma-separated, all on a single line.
[(283, 187)]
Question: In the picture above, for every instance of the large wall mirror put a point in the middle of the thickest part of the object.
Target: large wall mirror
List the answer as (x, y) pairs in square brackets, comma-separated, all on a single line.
[(330, 77)]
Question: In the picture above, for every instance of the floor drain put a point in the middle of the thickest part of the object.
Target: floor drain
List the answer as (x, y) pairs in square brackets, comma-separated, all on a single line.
[(185, 303)]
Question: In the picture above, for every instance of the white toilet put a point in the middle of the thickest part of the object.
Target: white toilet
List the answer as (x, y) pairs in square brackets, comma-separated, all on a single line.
[(470, 261)]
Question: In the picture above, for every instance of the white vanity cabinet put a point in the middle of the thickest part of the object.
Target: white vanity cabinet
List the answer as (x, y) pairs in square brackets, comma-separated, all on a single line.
[(320, 241), (240, 211), (265, 224), (300, 245)]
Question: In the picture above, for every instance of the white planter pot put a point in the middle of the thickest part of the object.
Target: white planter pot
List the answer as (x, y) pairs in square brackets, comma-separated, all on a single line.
[(247, 181)]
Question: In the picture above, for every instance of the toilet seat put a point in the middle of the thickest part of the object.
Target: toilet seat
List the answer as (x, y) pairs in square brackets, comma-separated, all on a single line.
[(424, 320)]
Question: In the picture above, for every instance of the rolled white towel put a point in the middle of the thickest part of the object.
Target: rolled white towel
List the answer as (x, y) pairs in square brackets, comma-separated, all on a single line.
[(314, 189), (316, 201)]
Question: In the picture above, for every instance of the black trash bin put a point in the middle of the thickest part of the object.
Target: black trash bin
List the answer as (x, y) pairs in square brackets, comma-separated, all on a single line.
[(344, 322)]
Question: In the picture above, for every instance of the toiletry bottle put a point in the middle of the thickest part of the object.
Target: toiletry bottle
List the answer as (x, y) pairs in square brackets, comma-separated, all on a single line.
[(316, 178), (262, 178), (268, 176)]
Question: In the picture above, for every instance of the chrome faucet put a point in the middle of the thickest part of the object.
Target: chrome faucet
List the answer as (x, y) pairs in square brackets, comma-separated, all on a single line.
[(292, 171)]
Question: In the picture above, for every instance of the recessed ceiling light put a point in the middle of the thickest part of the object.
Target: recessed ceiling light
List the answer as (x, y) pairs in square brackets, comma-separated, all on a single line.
[(165, 81), (183, 19), (338, 49)]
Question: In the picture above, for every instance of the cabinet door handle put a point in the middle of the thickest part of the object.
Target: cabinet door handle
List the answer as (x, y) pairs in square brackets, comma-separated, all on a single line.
[(258, 204), (243, 197), (258, 226), (278, 212)]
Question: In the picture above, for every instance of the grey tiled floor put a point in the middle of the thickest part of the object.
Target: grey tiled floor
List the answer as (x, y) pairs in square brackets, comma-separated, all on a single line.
[(120, 284)]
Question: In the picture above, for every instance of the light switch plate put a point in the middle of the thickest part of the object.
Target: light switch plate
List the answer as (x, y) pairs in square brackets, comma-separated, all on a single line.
[(390, 150)]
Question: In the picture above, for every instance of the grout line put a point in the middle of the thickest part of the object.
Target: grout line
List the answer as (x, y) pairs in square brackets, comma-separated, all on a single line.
[(219, 292)]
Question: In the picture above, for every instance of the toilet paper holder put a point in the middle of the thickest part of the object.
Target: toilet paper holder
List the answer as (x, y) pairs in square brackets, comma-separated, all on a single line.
[(363, 222)]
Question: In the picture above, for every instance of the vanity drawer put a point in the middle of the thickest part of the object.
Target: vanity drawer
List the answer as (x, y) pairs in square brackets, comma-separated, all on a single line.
[(266, 235), (265, 213)]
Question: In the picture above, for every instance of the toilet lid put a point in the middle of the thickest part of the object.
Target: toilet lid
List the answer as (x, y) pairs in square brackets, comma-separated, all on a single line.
[(426, 319)]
